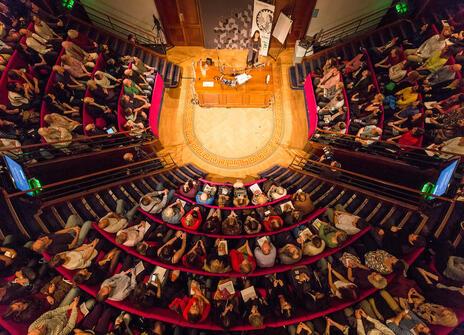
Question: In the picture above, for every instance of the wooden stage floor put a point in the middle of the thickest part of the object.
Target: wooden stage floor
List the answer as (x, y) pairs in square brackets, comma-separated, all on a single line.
[(231, 142)]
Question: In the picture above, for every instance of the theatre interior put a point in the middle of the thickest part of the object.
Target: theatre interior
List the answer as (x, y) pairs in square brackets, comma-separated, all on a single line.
[(209, 167)]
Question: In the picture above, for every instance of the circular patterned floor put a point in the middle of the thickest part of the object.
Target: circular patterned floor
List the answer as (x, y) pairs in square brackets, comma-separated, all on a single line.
[(233, 137)]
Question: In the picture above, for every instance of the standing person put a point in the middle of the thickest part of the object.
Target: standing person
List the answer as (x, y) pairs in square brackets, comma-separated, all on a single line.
[(253, 48)]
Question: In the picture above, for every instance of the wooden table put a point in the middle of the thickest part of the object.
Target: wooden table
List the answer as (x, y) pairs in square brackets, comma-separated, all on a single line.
[(254, 93)]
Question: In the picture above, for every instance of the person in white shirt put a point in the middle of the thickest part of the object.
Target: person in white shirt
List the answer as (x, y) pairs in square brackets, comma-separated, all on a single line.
[(132, 235), (79, 258), (39, 44), (118, 287), (116, 221), (379, 327), (435, 43), (44, 30)]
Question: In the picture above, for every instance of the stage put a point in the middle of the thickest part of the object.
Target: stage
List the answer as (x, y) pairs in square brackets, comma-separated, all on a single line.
[(257, 92), (272, 134)]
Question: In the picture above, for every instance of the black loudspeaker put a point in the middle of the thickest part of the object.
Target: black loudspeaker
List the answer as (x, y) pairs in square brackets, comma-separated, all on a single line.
[(209, 61)]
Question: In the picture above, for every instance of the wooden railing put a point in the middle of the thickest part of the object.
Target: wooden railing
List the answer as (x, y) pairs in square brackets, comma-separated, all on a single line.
[(166, 161), (401, 148), (113, 35), (353, 39), (299, 163)]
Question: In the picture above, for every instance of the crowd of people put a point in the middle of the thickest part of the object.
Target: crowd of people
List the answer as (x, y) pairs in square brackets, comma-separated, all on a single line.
[(83, 85), (51, 303), (414, 97)]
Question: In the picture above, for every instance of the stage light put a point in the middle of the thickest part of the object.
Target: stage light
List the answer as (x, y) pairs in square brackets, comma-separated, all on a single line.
[(402, 7), (68, 4)]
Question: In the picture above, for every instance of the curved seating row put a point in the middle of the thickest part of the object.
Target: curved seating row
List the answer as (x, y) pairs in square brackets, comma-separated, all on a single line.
[(166, 315), (86, 117), (227, 208), (371, 68), (257, 273), (310, 217), (14, 62), (215, 183)]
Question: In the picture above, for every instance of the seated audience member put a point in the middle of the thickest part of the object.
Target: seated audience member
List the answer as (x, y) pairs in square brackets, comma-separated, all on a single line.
[(173, 250), (241, 198), (332, 236), (378, 327), (143, 69), (242, 259), (426, 49), (265, 253), (40, 45), (82, 41), (193, 309), (132, 235), (217, 260), (196, 256), (44, 30), (56, 134), (302, 202), (290, 254), (232, 225), (173, 213), (189, 189), (66, 239), (206, 196), (193, 219), (368, 134), (78, 258), (118, 287), (383, 262), (213, 224), (406, 322), (75, 67), (154, 202), (61, 320), (412, 138), (74, 51)]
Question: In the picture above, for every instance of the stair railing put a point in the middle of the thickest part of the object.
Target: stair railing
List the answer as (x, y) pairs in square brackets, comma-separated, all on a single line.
[(357, 25), (123, 28), (300, 163), (79, 145)]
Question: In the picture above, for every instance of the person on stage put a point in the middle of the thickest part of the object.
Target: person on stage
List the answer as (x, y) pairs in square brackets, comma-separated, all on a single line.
[(253, 48)]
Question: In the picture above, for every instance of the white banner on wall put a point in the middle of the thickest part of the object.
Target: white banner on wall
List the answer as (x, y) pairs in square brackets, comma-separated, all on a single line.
[(263, 14)]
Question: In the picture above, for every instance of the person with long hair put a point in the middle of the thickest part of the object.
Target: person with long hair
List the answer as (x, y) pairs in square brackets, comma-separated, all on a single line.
[(254, 45)]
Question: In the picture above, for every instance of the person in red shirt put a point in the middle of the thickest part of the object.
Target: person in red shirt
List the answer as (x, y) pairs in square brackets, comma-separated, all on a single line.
[(272, 223), (242, 259), (194, 309), (412, 138), (192, 219)]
